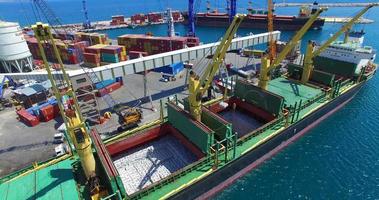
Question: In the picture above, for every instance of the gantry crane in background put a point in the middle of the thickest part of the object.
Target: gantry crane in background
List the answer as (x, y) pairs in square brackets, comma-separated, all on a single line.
[(310, 53), (267, 65), (270, 28), (199, 85), (76, 128), (87, 22)]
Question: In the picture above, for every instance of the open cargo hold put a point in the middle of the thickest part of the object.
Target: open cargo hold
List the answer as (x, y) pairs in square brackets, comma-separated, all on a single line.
[(151, 155), (27, 118), (244, 117), (172, 69)]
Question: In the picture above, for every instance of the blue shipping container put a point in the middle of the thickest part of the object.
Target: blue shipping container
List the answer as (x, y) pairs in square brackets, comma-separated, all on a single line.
[(104, 83), (111, 58), (171, 69)]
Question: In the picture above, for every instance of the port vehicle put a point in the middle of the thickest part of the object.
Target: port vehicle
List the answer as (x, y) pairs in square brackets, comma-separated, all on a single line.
[(58, 138)]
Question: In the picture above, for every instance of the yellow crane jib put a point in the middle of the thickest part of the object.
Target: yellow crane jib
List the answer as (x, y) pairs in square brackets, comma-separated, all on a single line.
[(264, 72), (310, 53), (72, 117), (197, 86)]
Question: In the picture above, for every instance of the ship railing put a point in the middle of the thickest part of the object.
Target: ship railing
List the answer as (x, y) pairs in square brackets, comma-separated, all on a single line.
[(310, 102), (271, 125), (205, 161)]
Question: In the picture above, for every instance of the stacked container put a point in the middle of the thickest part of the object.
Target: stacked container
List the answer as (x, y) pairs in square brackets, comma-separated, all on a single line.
[(113, 54), (154, 45), (117, 20), (108, 86), (69, 51), (93, 38), (27, 118), (139, 19), (155, 17), (92, 55)]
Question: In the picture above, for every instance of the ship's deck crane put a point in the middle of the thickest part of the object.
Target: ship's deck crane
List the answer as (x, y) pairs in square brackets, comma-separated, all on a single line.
[(199, 85), (270, 27), (310, 53), (267, 65), (70, 112)]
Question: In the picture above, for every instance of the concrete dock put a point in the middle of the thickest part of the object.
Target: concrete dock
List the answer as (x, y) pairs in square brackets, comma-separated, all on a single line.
[(346, 19)]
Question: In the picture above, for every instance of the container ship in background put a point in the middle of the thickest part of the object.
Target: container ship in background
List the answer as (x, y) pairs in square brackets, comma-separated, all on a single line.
[(257, 19)]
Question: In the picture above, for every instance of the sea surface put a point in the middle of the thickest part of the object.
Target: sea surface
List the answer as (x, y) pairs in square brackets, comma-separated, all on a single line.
[(339, 159)]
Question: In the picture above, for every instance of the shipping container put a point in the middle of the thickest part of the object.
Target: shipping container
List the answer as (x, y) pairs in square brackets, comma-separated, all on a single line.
[(27, 118), (173, 69), (110, 88)]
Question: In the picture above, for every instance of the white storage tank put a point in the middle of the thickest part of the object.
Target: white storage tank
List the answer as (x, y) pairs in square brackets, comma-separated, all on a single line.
[(14, 52)]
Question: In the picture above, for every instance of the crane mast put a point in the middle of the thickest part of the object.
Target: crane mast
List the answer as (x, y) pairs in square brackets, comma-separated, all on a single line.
[(310, 53), (270, 27), (199, 85), (268, 65), (70, 112)]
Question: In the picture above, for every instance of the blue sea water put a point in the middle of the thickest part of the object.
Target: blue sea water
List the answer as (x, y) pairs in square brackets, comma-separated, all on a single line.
[(339, 159)]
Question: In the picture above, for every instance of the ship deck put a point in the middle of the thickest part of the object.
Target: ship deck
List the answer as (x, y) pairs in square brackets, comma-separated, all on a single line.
[(55, 181), (292, 91)]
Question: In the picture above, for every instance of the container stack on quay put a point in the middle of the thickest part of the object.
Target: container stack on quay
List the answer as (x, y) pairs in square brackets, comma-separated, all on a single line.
[(155, 17), (42, 112), (68, 49), (93, 38), (139, 19), (101, 54), (150, 45), (108, 86), (118, 20)]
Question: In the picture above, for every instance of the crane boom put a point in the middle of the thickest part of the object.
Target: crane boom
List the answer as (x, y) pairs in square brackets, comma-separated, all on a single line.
[(267, 65), (199, 85), (70, 112), (291, 44), (270, 28), (345, 28), (310, 53)]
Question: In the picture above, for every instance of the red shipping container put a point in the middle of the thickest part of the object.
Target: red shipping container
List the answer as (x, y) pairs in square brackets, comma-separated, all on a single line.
[(27, 118), (47, 113), (56, 110), (108, 89)]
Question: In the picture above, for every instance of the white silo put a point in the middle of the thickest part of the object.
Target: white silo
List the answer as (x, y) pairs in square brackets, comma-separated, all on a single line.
[(14, 52)]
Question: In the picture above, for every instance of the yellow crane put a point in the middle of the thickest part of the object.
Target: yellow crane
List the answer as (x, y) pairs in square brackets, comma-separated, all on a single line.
[(72, 117), (267, 65), (199, 85), (310, 53)]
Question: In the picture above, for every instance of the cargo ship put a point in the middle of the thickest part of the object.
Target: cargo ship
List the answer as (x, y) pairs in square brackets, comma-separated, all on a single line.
[(257, 19), (182, 157)]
